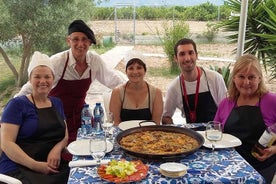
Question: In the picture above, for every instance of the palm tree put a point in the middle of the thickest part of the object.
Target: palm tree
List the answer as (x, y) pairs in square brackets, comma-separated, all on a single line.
[(270, 24), (260, 35)]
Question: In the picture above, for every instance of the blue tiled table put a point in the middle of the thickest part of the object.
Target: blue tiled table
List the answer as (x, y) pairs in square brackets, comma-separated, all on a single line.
[(231, 168)]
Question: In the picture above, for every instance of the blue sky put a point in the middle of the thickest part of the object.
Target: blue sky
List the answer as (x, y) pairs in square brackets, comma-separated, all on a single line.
[(112, 3)]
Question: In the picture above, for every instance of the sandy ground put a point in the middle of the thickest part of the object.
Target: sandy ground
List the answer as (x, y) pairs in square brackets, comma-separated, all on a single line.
[(145, 27)]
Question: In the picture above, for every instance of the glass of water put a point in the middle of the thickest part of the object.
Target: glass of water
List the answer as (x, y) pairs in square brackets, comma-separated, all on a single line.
[(108, 123), (213, 133), (97, 148)]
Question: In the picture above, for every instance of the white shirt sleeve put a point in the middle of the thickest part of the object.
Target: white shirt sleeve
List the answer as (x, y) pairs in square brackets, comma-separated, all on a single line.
[(108, 77), (173, 99)]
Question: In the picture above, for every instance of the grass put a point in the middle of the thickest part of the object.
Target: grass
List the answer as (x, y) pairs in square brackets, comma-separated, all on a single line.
[(7, 83), (162, 71), (102, 49), (6, 90)]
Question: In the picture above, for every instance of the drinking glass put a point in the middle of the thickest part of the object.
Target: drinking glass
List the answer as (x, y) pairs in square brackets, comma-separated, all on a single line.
[(97, 148), (108, 123), (213, 133)]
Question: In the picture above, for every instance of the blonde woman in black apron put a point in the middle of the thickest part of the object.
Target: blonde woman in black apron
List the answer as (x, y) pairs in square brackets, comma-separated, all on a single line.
[(136, 99), (34, 132), (247, 111)]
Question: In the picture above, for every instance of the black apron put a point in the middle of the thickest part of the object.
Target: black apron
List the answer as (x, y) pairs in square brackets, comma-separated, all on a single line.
[(206, 107), (246, 123), (135, 114), (50, 130)]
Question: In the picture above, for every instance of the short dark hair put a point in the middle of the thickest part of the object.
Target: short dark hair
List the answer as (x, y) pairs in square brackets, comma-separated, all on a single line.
[(138, 61), (184, 41)]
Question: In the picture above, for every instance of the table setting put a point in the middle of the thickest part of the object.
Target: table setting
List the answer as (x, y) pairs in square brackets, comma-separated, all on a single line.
[(194, 166)]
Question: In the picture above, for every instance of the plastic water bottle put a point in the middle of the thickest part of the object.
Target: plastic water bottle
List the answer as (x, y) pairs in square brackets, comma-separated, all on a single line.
[(86, 119), (98, 117)]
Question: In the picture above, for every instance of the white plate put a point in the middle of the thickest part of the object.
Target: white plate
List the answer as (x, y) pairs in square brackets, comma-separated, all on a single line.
[(81, 147), (227, 141), (134, 123)]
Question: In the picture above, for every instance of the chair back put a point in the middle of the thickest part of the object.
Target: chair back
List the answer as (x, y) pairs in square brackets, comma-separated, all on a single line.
[(9, 180)]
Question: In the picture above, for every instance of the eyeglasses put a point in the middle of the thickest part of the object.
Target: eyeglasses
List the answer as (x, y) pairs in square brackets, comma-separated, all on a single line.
[(77, 40)]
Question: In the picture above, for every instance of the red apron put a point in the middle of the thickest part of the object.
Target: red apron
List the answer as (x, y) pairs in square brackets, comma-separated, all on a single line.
[(72, 94)]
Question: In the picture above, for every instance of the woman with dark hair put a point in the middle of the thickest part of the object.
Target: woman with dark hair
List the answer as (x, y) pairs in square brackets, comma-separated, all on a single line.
[(136, 99)]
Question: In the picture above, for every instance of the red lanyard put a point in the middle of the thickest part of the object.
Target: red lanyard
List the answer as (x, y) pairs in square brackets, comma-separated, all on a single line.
[(191, 113)]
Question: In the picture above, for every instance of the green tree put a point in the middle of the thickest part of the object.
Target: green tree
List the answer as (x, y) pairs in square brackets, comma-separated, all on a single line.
[(260, 38), (203, 12), (37, 25)]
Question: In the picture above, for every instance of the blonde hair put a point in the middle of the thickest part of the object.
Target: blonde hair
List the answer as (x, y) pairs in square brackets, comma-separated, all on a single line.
[(246, 61)]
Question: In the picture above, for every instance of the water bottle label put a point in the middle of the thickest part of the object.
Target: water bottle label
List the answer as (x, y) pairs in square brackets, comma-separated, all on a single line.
[(98, 117), (83, 129), (86, 120)]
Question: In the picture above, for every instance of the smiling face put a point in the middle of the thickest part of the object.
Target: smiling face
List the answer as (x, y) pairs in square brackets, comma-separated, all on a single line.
[(247, 81), (135, 72), (42, 79), (79, 44), (186, 57)]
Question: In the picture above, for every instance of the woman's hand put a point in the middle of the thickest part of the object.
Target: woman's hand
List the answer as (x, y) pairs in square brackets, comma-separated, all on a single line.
[(44, 167), (54, 158), (268, 152)]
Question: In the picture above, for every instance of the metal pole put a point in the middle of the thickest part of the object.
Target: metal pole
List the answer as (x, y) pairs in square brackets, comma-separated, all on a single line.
[(134, 28), (242, 27), (218, 12), (115, 24)]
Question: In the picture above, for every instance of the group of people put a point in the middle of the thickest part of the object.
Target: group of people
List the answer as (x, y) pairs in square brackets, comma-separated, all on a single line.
[(44, 117)]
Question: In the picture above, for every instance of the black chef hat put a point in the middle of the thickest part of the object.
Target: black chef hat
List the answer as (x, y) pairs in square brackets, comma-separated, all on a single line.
[(80, 26)]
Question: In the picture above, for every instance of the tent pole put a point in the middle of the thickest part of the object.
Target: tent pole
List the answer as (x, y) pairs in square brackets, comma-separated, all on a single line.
[(242, 27)]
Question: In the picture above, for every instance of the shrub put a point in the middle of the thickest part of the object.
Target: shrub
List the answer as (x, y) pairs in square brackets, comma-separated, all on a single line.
[(224, 71), (174, 33), (211, 32)]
